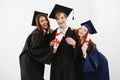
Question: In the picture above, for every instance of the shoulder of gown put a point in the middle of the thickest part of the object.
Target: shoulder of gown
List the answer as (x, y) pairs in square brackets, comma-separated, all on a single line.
[(93, 60), (36, 47), (90, 63)]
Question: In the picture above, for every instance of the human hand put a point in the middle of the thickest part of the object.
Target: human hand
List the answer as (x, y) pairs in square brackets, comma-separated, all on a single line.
[(84, 49), (54, 50), (52, 43), (70, 41)]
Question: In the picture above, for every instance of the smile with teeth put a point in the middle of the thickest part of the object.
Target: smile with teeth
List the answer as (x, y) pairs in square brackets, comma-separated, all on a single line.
[(81, 33), (44, 24), (61, 23)]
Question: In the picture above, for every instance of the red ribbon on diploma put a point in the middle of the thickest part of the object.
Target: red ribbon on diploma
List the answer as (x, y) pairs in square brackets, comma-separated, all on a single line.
[(86, 41), (58, 33), (56, 41)]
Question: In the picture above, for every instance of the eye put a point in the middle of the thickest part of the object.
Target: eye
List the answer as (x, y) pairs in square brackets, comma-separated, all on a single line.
[(62, 17), (80, 28), (84, 30), (45, 19), (41, 20), (57, 18)]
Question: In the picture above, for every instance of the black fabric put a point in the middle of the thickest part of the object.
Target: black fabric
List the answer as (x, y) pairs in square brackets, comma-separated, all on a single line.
[(60, 8), (63, 63), (36, 13), (36, 53)]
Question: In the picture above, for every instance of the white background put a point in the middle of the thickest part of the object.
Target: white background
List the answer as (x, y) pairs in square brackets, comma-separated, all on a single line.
[(15, 26)]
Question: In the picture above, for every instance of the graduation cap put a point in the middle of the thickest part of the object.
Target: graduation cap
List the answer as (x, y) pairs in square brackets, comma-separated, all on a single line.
[(60, 8), (90, 27), (36, 13)]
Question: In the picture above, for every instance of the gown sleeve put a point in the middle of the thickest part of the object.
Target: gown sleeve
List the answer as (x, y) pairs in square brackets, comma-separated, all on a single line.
[(77, 52), (90, 63), (38, 50), (77, 49)]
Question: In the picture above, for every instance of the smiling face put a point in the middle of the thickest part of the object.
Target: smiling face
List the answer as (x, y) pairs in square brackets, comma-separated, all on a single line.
[(82, 31), (61, 19), (43, 22)]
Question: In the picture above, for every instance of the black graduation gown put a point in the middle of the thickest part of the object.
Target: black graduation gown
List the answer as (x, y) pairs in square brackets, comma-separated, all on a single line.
[(94, 67), (63, 64), (35, 54)]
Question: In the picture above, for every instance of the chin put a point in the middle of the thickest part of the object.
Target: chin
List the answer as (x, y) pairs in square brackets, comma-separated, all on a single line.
[(45, 27), (81, 35), (61, 26)]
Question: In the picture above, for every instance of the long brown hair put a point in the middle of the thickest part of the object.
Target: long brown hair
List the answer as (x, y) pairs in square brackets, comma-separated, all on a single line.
[(38, 25), (79, 40)]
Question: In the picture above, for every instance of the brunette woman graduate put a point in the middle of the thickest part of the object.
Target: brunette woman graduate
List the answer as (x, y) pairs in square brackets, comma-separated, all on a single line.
[(36, 52)]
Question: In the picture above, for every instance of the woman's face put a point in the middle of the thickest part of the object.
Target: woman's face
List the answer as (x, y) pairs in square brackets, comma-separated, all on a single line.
[(61, 20), (82, 31), (43, 22)]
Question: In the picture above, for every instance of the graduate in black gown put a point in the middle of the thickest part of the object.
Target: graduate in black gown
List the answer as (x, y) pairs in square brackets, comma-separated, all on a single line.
[(94, 65), (36, 52), (62, 65)]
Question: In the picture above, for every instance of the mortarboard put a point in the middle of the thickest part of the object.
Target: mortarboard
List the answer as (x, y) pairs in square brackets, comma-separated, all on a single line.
[(60, 8), (90, 27), (36, 13)]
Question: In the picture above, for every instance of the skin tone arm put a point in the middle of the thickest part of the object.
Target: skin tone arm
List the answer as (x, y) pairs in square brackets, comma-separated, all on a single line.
[(52, 44), (84, 49)]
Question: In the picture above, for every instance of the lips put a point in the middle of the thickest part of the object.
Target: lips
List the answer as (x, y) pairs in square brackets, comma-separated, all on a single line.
[(44, 24), (80, 33), (60, 23)]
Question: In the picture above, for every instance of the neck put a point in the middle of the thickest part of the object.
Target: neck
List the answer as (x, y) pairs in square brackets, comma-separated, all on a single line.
[(82, 39), (63, 27), (44, 30)]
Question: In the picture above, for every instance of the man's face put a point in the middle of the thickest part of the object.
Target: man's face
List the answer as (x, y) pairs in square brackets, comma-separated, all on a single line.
[(61, 20)]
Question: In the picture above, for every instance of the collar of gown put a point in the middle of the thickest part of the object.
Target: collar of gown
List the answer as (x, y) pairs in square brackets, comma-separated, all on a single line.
[(63, 30)]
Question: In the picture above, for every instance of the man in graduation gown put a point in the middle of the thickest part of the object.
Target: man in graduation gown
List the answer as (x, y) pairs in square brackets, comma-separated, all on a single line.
[(63, 64)]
